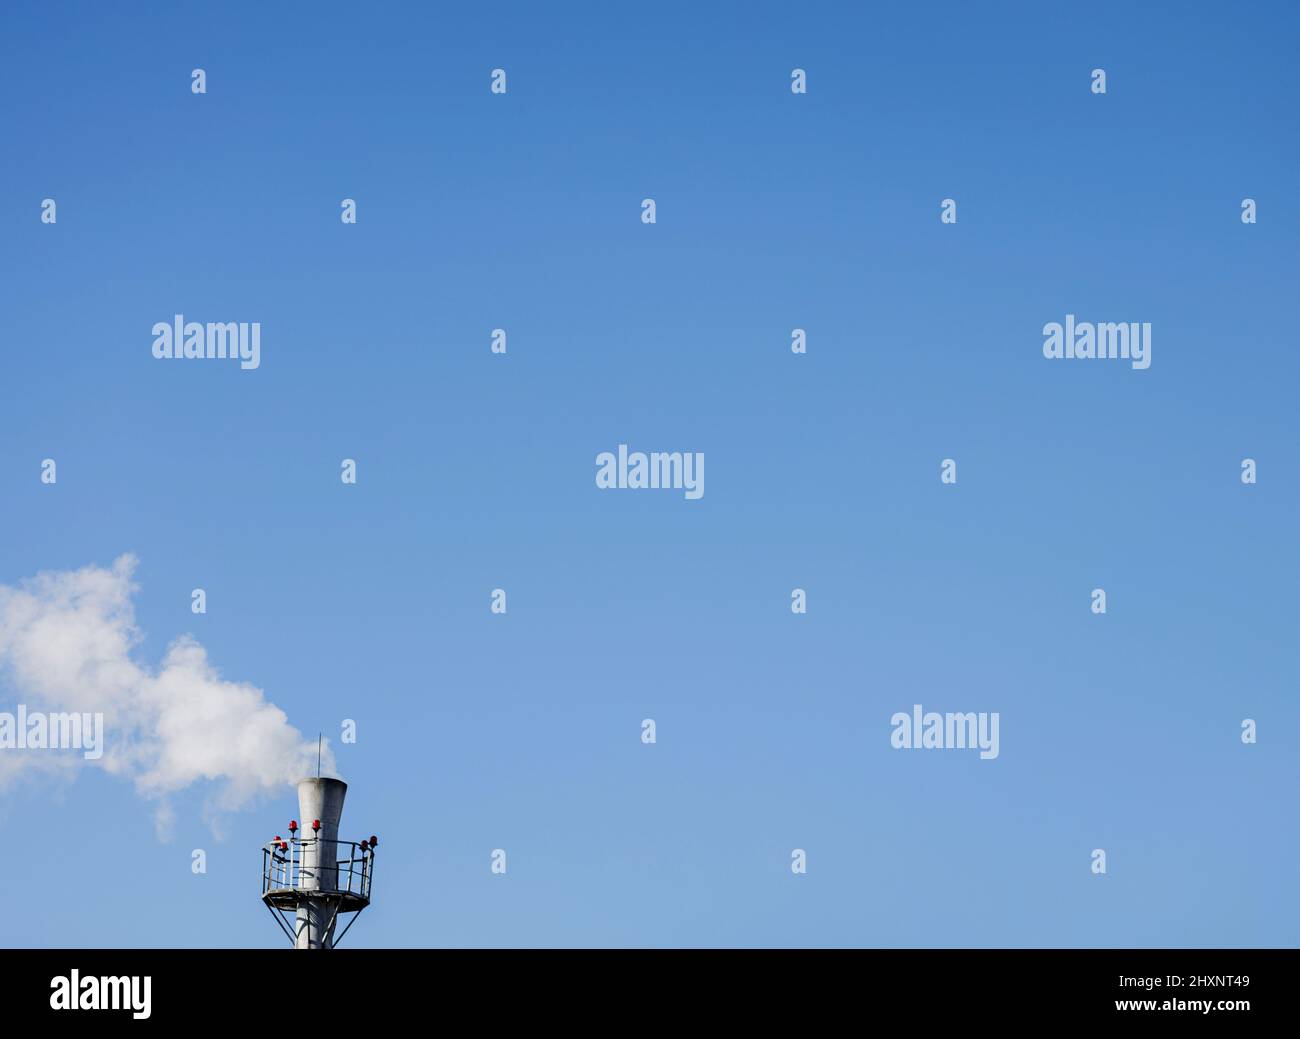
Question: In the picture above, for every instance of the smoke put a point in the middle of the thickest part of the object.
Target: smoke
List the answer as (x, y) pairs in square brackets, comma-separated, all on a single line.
[(66, 641)]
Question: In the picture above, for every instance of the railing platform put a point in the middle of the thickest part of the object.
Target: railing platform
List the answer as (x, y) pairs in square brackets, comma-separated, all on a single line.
[(300, 868)]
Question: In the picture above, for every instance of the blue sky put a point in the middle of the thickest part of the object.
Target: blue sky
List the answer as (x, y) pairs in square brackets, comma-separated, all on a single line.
[(476, 471)]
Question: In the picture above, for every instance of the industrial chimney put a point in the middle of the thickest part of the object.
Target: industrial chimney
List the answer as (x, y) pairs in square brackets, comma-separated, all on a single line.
[(314, 875)]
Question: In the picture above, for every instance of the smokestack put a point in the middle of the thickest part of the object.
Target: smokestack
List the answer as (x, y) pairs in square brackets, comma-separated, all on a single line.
[(313, 873), (320, 806)]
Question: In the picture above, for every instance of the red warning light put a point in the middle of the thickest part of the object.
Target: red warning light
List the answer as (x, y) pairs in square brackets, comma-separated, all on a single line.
[(315, 824), (374, 841), (293, 825)]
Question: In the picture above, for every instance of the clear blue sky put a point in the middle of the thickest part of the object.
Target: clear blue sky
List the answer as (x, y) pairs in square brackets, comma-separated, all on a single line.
[(476, 471)]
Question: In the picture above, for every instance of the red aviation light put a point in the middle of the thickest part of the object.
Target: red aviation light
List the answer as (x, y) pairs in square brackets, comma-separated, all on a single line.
[(315, 824), (293, 825), (374, 841)]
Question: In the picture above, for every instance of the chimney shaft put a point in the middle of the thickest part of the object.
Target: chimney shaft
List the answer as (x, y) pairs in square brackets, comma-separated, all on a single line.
[(318, 799)]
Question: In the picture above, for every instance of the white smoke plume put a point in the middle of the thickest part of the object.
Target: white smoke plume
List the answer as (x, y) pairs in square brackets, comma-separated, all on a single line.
[(66, 642)]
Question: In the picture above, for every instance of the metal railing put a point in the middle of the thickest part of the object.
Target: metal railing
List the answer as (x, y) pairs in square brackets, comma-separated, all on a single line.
[(312, 865)]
